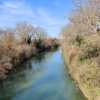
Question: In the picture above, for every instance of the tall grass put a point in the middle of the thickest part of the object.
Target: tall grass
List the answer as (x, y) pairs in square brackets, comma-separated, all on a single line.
[(16, 46), (20, 43), (81, 46)]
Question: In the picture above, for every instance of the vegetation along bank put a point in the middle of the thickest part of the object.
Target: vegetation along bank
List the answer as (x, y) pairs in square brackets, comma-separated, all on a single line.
[(81, 47), (21, 43)]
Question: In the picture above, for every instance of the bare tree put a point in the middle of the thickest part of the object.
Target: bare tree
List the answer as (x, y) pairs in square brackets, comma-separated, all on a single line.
[(24, 30), (39, 34), (28, 33), (86, 16)]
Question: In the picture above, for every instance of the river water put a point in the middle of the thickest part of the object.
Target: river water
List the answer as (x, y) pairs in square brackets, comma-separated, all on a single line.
[(42, 78)]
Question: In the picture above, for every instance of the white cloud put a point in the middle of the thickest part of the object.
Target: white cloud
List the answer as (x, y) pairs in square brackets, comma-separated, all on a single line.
[(46, 18), (18, 10)]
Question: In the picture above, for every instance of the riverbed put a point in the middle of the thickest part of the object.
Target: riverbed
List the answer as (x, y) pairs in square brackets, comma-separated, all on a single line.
[(44, 77)]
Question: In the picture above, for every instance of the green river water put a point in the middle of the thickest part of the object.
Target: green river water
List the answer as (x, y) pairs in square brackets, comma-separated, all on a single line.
[(42, 78)]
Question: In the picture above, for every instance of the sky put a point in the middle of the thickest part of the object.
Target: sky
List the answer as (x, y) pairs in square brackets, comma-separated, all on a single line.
[(51, 15)]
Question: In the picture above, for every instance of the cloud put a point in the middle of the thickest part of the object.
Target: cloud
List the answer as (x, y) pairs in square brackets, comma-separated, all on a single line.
[(49, 22), (13, 11), (15, 8), (46, 18)]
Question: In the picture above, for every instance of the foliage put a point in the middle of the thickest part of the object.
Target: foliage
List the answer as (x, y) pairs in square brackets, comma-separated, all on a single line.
[(81, 46), (16, 45), (29, 33), (20, 43)]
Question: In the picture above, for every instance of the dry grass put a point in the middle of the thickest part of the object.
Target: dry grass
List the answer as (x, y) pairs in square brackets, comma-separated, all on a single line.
[(20, 44), (81, 48), (84, 64), (11, 53)]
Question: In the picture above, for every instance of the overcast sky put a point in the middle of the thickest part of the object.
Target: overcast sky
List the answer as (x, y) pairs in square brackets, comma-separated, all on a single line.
[(50, 14)]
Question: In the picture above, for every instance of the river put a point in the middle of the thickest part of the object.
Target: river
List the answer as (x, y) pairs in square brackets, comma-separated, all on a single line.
[(42, 78)]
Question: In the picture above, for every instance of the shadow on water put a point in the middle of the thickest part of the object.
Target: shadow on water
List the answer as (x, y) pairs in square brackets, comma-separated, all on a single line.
[(41, 78), (20, 76)]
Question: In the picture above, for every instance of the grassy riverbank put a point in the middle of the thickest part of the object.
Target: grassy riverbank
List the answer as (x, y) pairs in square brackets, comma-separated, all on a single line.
[(84, 67), (81, 48), (15, 48)]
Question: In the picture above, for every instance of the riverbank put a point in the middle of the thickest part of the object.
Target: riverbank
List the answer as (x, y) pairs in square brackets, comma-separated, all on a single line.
[(15, 55), (81, 47), (71, 72), (20, 44), (83, 65), (71, 75)]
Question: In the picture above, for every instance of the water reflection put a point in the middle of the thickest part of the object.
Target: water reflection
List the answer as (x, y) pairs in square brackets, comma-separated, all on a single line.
[(41, 78), (21, 77)]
